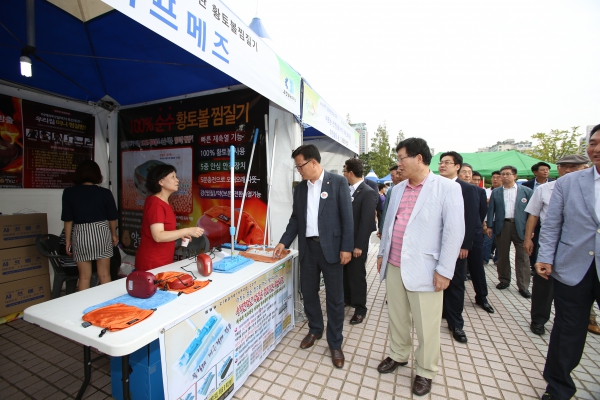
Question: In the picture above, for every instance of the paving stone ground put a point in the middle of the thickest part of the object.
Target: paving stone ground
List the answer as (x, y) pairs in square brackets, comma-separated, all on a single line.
[(502, 360)]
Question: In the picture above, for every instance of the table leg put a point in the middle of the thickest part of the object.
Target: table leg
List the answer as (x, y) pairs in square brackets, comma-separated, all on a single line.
[(87, 370), (125, 376)]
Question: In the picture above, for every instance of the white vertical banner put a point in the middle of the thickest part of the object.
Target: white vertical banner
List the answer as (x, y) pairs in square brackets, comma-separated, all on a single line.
[(212, 32)]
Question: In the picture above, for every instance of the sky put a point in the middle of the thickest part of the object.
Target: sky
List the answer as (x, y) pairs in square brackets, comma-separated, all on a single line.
[(461, 74)]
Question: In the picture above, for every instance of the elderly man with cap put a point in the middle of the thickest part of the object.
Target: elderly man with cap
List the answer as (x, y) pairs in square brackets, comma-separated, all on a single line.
[(543, 290)]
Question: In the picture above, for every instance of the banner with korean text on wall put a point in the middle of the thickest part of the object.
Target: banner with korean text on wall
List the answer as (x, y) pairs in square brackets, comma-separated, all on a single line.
[(318, 114), (41, 145), (210, 353), (195, 135), (212, 32)]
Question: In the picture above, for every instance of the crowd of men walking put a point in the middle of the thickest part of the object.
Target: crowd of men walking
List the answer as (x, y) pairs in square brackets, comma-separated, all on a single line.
[(438, 231)]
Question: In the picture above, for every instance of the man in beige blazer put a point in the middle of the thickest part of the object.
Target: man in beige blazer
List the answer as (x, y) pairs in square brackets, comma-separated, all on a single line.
[(421, 239)]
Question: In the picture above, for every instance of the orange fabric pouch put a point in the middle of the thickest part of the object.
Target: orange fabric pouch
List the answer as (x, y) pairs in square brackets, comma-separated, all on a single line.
[(116, 317)]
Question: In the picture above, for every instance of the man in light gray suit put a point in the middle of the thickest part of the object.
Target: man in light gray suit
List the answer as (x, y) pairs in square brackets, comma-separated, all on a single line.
[(322, 220), (421, 239), (570, 253)]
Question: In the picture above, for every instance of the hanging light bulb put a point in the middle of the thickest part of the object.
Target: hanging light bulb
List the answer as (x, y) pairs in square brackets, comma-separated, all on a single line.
[(26, 66)]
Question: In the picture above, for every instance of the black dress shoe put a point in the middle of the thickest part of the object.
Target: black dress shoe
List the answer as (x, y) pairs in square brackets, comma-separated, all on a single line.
[(525, 293), (356, 319), (502, 285), (548, 396), (388, 365), (538, 329), (421, 386), (458, 334), (486, 306)]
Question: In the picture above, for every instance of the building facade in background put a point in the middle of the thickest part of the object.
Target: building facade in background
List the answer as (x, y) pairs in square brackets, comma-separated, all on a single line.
[(507, 145), (363, 142)]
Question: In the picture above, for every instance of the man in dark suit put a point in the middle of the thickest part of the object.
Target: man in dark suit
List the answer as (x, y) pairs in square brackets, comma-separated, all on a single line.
[(570, 253), (454, 295), (541, 171), (322, 221), (364, 201), (506, 218), (475, 257)]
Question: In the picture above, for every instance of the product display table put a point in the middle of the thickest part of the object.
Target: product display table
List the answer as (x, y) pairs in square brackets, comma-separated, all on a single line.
[(63, 315)]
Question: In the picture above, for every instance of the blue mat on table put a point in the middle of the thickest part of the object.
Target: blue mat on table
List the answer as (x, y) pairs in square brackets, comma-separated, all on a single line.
[(229, 265), (158, 299)]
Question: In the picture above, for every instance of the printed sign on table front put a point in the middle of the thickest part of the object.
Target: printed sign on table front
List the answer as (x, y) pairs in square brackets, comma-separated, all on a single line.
[(210, 354)]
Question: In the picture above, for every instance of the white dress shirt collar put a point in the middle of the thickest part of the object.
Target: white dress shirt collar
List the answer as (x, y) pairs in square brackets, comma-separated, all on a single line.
[(313, 197), (355, 186)]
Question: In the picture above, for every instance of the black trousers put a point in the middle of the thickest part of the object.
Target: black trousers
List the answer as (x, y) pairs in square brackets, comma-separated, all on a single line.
[(454, 296), (476, 269), (572, 313), (542, 293), (355, 284), (313, 264)]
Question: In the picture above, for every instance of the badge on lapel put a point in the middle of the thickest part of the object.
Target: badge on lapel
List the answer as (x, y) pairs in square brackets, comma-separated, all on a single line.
[(324, 195), (523, 200)]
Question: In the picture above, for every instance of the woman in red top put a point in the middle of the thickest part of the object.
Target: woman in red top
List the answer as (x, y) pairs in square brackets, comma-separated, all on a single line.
[(159, 233)]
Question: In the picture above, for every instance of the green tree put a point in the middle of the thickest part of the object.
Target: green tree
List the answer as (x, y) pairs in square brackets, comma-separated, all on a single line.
[(381, 157), (367, 162), (400, 137), (553, 146)]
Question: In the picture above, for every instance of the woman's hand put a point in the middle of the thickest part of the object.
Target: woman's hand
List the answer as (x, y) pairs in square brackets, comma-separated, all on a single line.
[(68, 248), (115, 239), (194, 232)]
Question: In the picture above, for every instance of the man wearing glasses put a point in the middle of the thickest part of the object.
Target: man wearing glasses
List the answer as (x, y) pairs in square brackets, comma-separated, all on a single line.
[(322, 221), (506, 219), (421, 239)]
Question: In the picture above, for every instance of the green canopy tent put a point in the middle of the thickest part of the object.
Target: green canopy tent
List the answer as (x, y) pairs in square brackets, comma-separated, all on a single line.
[(488, 162)]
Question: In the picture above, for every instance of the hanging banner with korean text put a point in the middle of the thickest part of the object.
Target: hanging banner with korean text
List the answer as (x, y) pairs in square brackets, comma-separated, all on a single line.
[(318, 114), (210, 353), (11, 142), (56, 141), (212, 32), (195, 136)]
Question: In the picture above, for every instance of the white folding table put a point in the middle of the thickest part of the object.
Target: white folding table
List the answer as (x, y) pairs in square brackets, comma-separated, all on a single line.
[(63, 315)]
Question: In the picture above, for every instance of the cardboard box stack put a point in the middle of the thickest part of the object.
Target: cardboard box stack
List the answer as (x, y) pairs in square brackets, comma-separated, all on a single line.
[(24, 275)]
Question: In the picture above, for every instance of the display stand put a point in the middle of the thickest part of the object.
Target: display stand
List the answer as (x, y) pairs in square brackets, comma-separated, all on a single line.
[(63, 315)]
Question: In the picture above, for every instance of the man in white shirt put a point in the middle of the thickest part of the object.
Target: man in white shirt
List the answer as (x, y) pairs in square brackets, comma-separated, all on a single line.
[(506, 219)]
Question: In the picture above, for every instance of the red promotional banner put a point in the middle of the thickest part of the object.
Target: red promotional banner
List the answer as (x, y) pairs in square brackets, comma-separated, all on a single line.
[(56, 140), (195, 136), (11, 142)]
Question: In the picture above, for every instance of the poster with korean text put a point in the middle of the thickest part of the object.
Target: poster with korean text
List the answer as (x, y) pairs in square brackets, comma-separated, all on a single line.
[(56, 140), (194, 135), (209, 354), (11, 142)]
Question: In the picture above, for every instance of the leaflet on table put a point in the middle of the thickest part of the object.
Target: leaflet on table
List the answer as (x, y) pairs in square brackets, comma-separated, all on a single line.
[(210, 353), (195, 135)]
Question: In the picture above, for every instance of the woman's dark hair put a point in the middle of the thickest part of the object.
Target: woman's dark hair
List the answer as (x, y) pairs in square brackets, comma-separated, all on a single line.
[(414, 147), (381, 186), (87, 171), (157, 173)]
